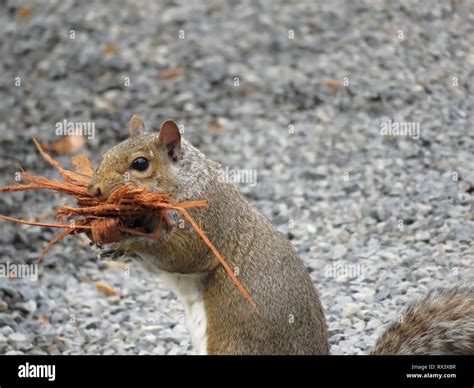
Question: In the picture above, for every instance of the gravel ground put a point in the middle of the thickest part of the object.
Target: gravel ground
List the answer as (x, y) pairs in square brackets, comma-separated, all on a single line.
[(377, 218)]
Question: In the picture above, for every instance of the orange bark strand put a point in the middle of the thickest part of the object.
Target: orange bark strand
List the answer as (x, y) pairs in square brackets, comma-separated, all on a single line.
[(219, 257)]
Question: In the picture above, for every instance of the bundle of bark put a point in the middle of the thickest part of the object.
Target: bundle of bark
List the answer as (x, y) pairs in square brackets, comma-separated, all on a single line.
[(106, 221)]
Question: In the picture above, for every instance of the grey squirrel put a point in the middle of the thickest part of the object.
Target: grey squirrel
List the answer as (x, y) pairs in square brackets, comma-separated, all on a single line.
[(290, 318)]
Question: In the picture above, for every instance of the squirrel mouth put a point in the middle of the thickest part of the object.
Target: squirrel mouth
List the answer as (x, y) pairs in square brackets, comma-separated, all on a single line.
[(146, 223), (154, 224)]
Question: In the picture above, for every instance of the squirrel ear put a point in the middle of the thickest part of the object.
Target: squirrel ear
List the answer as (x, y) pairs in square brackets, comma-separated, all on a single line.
[(170, 138), (136, 126)]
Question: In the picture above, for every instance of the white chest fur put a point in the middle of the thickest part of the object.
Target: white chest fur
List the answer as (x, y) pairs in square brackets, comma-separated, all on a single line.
[(189, 291)]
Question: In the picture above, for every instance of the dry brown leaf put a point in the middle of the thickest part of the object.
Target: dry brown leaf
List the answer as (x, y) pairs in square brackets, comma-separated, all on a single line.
[(169, 74), (247, 90), (24, 12), (215, 127), (333, 84), (69, 144), (385, 30), (106, 289), (110, 48), (430, 79), (44, 319)]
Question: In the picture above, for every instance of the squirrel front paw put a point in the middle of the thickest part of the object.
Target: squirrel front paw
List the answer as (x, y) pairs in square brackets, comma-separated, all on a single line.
[(109, 252)]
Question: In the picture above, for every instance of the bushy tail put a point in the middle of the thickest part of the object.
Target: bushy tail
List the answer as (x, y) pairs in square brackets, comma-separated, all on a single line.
[(442, 323)]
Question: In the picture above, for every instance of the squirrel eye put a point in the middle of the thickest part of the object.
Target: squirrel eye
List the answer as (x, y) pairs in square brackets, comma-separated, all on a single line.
[(140, 164)]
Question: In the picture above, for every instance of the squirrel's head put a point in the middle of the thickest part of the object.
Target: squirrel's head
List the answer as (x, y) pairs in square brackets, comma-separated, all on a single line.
[(165, 163), (143, 160)]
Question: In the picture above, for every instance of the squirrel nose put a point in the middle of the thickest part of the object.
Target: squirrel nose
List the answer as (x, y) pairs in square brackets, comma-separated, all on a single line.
[(94, 190)]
